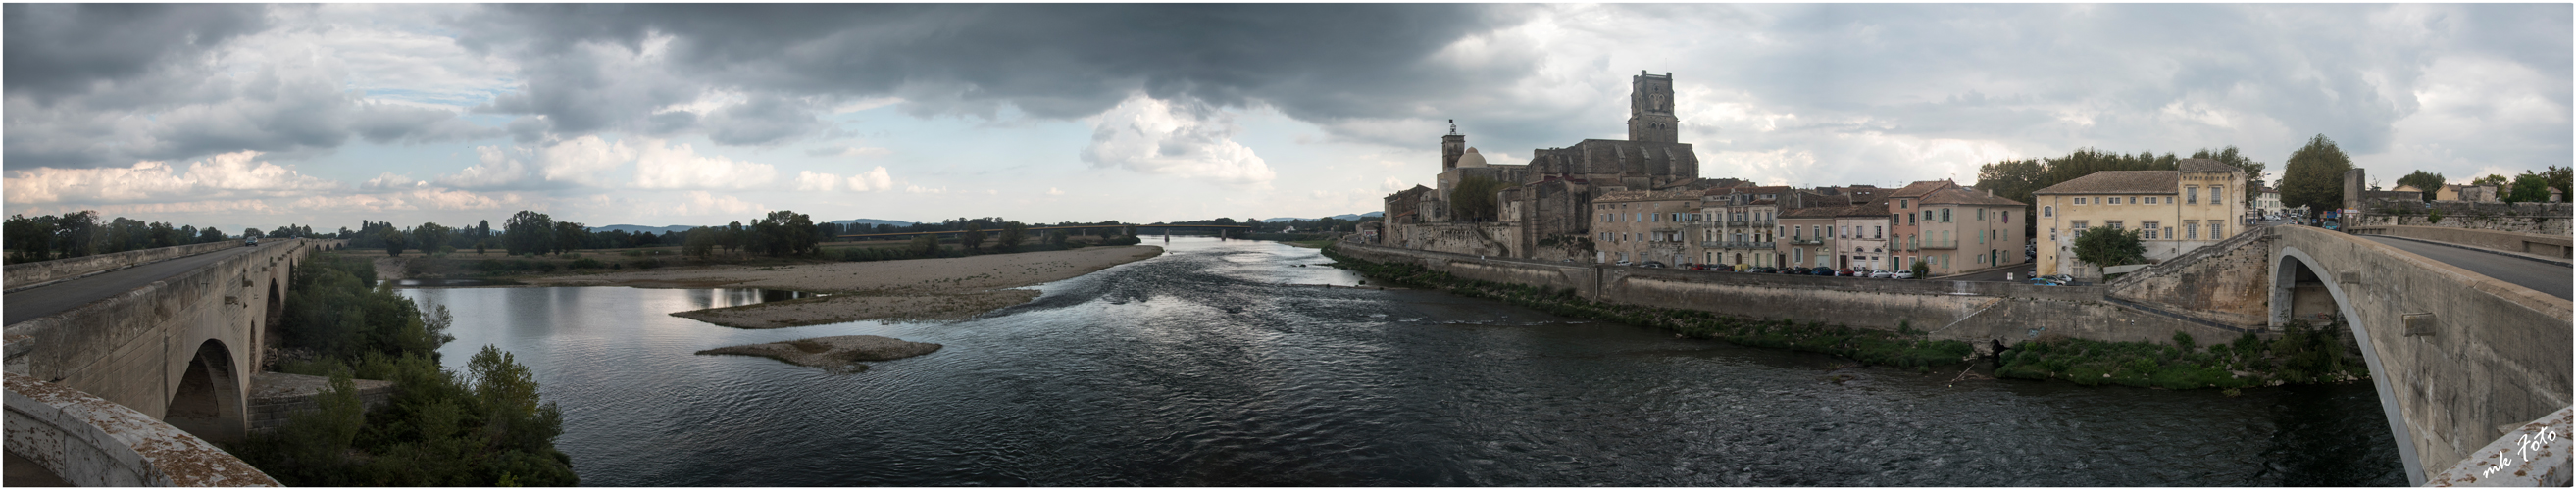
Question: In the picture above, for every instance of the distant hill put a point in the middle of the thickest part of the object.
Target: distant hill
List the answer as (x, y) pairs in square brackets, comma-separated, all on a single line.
[(864, 221), (640, 228)]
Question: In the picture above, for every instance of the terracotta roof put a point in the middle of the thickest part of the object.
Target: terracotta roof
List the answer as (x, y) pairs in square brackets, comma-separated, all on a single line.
[(1921, 188), (1968, 197), (2204, 165), (1811, 213), (2120, 182), (1874, 208), (1632, 196)]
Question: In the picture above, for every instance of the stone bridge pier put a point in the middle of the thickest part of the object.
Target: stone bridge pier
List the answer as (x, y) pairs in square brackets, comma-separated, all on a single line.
[(2458, 359)]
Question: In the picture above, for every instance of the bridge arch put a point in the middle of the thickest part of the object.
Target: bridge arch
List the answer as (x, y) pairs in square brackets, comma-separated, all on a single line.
[(207, 401), (2300, 290)]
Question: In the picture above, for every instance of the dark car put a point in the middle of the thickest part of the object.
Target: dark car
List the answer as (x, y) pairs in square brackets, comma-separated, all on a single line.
[(1653, 264), (1820, 271), (1766, 270), (1723, 268)]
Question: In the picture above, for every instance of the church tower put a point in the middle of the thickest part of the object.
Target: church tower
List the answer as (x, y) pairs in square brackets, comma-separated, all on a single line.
[(1650, 109), (1452, 146)]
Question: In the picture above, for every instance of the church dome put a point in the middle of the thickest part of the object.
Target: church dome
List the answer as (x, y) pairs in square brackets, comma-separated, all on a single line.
[(1471, 159)]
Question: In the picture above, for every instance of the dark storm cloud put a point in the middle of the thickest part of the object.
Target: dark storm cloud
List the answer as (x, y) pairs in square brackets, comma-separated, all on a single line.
[(1314, 62), (59, 49)]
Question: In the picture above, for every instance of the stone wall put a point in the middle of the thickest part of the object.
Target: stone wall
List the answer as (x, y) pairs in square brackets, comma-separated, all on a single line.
[(2559, 246), (1488, 239), (21, 276), (276, 396), (2521, 217), (2222, 283), (1959, 310)]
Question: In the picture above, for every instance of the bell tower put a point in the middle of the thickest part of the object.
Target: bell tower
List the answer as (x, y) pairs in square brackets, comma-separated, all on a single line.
[(1452, 146), (1650, 109)]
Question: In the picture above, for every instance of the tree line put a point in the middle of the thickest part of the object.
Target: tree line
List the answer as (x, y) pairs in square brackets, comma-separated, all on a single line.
[(81, 233)]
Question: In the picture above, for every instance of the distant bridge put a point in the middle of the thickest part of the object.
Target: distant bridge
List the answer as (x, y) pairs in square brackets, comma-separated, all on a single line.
[(1047, 228)]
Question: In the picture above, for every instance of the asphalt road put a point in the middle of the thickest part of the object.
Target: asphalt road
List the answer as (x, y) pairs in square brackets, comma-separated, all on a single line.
[(2552, 279), (61, 296)]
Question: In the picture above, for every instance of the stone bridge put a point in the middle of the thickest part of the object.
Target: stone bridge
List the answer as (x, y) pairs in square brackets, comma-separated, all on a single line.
[(104, 352), (2459, 358)]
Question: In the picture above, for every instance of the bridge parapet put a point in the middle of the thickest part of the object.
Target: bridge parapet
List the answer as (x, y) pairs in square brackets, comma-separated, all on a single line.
[(2557, 246), (92, 442), (32, 274), (2454, 354)]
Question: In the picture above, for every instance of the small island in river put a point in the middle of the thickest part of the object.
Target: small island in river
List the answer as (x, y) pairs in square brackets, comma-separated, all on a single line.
[(842, 354)]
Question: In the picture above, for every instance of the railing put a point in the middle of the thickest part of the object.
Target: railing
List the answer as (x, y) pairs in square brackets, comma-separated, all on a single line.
[(1736, 244), (1943, 245), (1806, 241)]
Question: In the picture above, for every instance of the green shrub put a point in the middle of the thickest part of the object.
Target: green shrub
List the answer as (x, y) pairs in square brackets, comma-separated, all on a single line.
[(587, 263)]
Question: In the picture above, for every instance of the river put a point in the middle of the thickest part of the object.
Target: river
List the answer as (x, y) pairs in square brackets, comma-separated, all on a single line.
[(1225, 363)]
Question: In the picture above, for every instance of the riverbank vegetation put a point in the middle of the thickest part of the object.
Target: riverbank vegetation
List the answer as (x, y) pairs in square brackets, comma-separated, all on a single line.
[(484, 427), (2304, 355)]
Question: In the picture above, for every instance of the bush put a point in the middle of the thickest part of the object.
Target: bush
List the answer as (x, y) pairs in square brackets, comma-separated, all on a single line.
[(588, 263)]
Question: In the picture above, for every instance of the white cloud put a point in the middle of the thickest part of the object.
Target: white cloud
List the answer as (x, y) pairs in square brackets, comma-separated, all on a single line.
[(1053, 192), (924, 190), (389, 181), (579, 161), (872, 180), (1189, 140), (680, 167), (236, 174), (807, 180)]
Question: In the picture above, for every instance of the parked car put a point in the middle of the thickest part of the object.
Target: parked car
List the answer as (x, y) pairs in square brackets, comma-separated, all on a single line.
[(1623, 262), (1904, 274), (1881, 274), (250, 241), (1820, 271), (1843, 272), (1653, 265), (1766, 270)]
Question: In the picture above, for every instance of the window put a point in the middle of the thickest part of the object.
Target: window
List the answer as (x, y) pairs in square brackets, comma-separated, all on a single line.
[(2114, 224), (1876, 232), (1945, 215), (1909, 218), (2150, 228), (1981, 214), (2214, 192), (2191, 195), (2151, 200), (2079, 201), (1904, 204), (2007, 216), (2078, 225), (2213, 230), (2191, 229)]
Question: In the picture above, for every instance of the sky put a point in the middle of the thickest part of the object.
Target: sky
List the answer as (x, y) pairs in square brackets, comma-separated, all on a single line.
[(662, 114)]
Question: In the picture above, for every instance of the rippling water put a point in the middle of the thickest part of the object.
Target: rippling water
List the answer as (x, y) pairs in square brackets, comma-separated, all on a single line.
[(1222, 364)]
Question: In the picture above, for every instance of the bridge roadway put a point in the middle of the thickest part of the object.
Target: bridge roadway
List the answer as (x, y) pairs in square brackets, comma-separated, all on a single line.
[(2552, 279), (59, 297)]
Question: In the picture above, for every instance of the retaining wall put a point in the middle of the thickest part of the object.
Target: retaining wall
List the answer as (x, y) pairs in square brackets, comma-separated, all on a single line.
[(34, 273), (276, 396), (1957, 310), (2222, 283), (2521, 217)]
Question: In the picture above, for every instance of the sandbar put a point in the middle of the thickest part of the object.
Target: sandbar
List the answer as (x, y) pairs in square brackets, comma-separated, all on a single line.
[(837, 354), (916, 289)]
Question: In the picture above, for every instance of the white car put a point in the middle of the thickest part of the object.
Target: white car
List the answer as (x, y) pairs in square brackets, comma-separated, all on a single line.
[(1903, 274), (1881, 274)]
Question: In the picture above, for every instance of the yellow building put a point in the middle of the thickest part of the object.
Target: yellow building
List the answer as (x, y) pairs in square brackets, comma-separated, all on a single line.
[(1639, 226), (2175, 211)]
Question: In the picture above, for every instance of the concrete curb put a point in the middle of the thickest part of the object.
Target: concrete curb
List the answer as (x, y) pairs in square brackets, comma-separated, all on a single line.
[(2524, 256)]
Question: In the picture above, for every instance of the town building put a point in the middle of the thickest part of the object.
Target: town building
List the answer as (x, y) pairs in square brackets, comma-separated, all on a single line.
[(1638, 226), (2467, 193), (2267, 200), (1966, 230), (1808, 236), (1742, 224), (1905, 238), (1860, 238), (2174, 211)]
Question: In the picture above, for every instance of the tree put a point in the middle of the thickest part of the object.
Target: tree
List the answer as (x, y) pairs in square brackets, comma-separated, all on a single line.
[(570, 236), (701, 241), (528, 232), (210, 235), (2430, 183), (1922, 270), (430, 238), (2495, 180), (2558, 178), (2103, 246), (1012, 234), (394, 241), (784, 233), (2313, 177), (973, 238), (925, 245), (1475, 199), (2528, 187)]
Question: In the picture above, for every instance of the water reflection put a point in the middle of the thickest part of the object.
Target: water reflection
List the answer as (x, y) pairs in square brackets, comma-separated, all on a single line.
[(1222, 363)]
